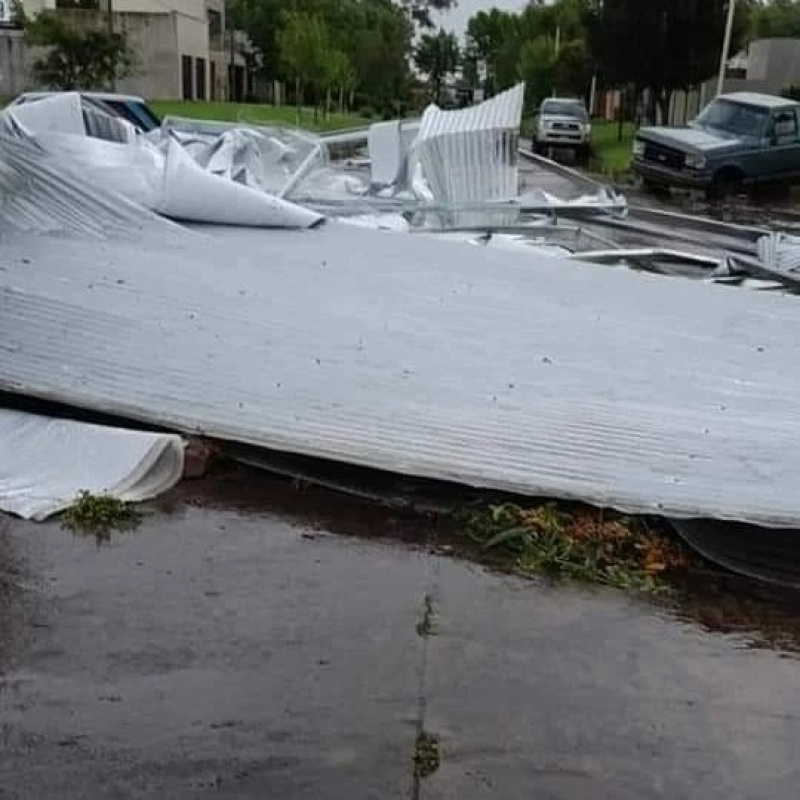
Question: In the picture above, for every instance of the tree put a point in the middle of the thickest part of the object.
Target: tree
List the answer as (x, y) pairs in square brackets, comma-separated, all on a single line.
[(77, 56), (573, 68), (305, 50), (420, 11), (340, 77), (538, 69), (437, 56), (493, 38), (374, 35), (660, 45), (260, 20), (780, 18)]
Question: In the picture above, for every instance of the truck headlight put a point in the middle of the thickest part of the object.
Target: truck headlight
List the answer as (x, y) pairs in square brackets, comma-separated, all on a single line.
[(638, 147), (695, 161)]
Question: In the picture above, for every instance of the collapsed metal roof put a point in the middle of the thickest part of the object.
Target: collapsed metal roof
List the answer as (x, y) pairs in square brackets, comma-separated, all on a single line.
[(424, 357), (509, 367)]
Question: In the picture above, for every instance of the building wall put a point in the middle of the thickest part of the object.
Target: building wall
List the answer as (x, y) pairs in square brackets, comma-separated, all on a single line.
[(772, 65), (171, 39), (152, 37), (16, 61)]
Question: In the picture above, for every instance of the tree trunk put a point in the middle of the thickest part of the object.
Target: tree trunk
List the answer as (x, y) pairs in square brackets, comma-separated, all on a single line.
[(341, 100), (665, 101), (297, 98)]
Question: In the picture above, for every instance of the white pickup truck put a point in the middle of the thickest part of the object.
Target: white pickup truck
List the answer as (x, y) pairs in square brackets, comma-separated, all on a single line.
[(563, 123)]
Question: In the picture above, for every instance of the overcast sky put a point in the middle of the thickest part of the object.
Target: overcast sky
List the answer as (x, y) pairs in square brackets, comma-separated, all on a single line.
[(456, 20)]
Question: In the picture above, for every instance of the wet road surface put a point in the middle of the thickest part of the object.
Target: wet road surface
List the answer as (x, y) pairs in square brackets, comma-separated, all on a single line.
[(268, 643)]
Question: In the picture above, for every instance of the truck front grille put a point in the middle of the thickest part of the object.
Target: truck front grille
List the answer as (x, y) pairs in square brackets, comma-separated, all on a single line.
[(664, 156)]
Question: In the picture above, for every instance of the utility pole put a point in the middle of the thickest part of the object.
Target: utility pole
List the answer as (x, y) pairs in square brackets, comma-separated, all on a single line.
[(110, 23), (726, 46)]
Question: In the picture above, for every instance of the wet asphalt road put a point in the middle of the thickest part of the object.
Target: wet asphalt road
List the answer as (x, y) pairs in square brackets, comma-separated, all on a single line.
[(242, 645)]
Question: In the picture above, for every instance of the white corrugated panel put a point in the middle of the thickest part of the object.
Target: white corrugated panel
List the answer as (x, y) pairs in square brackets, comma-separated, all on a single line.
[(501, 112), (45, 463), (429, 358), (470, 154)]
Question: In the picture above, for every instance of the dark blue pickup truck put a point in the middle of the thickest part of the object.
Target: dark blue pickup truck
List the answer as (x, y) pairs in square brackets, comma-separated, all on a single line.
[(738, 140)]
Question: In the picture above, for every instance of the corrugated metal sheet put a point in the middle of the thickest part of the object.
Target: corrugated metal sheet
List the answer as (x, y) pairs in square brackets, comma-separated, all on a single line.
[(37, 196), (45, 463), (471, 153), (429, 358), (501, 112)]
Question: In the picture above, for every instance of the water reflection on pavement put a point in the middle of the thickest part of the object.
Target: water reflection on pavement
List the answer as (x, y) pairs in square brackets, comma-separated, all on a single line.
[(258, 639)]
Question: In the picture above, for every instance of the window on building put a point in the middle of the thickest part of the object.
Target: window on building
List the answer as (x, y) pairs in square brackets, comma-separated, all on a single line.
[(213, 67), (94, 5), (186, 78), (214, 23), (200, 79)]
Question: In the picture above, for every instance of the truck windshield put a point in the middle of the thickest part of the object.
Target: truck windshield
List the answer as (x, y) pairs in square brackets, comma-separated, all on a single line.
[(735, 118), (561, 108)]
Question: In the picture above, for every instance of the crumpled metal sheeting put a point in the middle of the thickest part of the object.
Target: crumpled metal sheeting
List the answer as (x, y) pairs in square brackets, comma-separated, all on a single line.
[(604, 199), (162, 176), (780, 253), (273, 159), (45, 463), (194, 194), (501, 112), (471, 153), (434, 359), (39, 195)]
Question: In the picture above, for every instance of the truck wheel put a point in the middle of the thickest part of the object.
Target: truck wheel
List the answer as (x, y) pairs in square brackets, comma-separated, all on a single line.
[(582, 155), (726, 183)]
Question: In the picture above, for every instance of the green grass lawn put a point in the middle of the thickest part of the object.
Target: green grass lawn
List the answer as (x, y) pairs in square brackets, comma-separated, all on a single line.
[(255, 114), (611, 155)]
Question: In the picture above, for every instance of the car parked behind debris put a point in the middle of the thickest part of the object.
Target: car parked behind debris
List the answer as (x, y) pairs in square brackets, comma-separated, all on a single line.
[(563, 123), (738, 140), (129, 107)]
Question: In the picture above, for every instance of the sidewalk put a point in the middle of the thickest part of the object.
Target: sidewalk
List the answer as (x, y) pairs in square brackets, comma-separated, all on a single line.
[(232, 652)]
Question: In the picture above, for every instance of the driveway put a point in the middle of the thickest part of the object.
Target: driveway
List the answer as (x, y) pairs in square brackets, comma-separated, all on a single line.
[(255, 640)]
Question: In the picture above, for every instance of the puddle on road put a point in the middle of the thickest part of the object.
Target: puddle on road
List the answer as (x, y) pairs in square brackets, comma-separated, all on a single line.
[(717, 601), (758, 615)]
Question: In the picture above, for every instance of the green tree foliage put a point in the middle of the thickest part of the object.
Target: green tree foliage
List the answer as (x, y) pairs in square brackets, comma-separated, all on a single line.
[(311, 57), (776, 19), (538, 69), (661, 45), (421, 11), (77, 56), (545, 68), (373, 35), (437, 56), (261, 20), (493, 40)]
